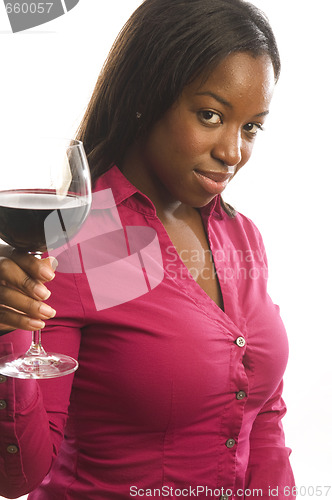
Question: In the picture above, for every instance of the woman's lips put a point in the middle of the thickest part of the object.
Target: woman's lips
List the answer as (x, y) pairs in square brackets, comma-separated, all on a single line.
[(212, 182)]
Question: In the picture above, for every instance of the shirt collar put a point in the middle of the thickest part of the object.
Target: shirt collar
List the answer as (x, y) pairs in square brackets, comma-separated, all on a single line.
[(121, 189), (124, 191), (213, 208)]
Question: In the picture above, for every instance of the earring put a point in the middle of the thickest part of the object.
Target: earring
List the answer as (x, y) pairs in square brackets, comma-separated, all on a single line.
[(138, 115)]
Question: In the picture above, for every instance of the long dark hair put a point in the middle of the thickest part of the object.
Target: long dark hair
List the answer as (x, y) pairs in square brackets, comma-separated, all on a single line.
[(164, 45)]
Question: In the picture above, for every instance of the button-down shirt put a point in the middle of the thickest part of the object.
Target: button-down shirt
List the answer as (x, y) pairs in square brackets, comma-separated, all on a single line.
[(173, 395)]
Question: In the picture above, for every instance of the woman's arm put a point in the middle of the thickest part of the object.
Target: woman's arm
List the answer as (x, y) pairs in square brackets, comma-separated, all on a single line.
[(269, 469), (32, 420), (25, 440), (33, 413)]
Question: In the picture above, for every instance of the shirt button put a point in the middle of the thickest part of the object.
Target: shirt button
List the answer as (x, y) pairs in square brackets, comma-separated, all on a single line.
[(12, 448), (240, 395), (224, 497), (230, 443), (2, 379), (240, 341), (3, 404)]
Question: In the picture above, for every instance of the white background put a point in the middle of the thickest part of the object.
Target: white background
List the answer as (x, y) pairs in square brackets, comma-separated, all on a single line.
[(47, 76)]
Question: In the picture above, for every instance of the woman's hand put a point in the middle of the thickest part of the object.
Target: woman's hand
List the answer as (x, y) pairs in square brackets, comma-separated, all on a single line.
[(22, 290)]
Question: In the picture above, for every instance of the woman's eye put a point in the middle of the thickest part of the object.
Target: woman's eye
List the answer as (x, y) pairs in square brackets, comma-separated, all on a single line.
[(210, 117), (252, 128)]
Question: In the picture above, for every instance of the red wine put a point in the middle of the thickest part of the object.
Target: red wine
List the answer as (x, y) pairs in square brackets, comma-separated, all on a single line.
[(37, 220)]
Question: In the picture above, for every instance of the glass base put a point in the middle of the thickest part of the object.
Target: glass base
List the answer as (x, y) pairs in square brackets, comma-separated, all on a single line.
[(27, 366)]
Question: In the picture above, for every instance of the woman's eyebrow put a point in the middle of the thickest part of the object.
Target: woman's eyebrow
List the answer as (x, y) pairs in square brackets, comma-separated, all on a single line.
[(263, 113), (217, 97), (223, 101)]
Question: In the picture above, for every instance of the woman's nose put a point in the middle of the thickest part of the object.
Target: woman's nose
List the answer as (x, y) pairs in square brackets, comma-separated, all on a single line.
[(227, 148)]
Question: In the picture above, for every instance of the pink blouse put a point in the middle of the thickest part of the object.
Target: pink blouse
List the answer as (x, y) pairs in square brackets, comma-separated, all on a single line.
[(173, 396)]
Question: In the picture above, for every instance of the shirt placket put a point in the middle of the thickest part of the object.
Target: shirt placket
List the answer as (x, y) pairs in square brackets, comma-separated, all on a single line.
[(233, 419)]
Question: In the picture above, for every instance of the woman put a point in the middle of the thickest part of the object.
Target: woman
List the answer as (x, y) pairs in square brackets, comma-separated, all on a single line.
[(179, 387)]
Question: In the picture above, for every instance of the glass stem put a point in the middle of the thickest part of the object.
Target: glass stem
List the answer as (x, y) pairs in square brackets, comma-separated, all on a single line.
[(36, 348)]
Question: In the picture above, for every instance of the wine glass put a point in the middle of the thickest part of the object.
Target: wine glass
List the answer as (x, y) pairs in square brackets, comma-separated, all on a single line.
[(45, 196)]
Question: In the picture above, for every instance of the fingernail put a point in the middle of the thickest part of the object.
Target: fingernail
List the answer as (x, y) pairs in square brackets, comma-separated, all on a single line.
[(36, 324), (41, 292), (47, 311), (54, 263), (46, 273)]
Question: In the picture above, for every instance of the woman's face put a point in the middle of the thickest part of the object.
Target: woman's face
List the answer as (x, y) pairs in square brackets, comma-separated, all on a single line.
[(212, 126)]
